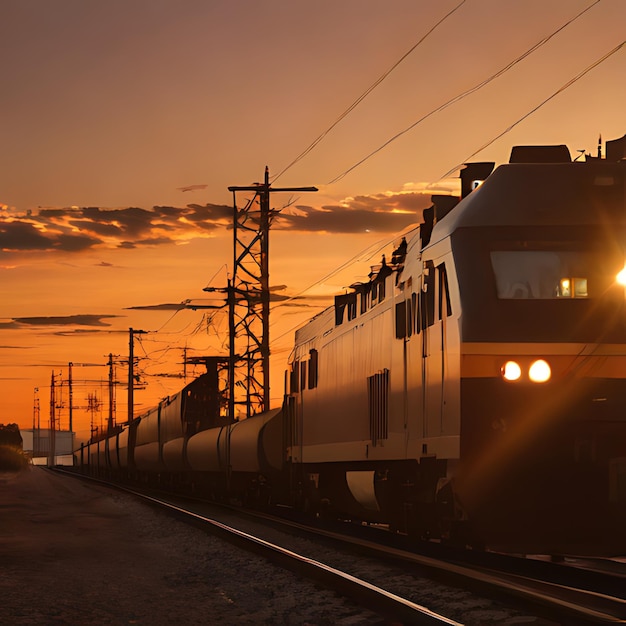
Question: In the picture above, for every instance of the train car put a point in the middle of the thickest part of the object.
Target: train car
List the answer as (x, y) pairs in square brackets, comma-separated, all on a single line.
[(243, 460), (475, 387), (154, 444), (472, 390)]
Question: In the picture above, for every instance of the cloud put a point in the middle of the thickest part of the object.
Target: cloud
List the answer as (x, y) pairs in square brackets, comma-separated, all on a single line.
[(159, 307), (105, 328), (383, 213), (68, 320), (219, 301), (192, 187), (76, 229)]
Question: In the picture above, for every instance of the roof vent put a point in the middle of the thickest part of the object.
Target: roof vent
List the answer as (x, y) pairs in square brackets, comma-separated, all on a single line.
[(540, 154)]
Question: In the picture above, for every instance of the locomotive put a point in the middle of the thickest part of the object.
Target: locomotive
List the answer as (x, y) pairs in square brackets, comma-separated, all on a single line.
[(472, 390)]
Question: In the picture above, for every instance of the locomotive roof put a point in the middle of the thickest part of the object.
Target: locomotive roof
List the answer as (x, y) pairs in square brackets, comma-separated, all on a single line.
[(542, 194)]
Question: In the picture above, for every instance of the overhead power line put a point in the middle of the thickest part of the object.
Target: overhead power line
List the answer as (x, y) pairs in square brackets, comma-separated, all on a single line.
[(366, 93), (466, 93), (561, 89)]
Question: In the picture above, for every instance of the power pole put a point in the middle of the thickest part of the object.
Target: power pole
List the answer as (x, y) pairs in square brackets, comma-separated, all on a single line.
[(131, 371), (93, 405), (111, 399), (249, 300), (69, 382), (51, 451), (36, 423)]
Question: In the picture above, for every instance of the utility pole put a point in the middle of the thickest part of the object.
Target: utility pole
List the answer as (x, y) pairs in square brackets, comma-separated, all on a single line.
[(111, 419), (93, 405), (131, 370), (69, 382), (249, 300), (36, 423), (51, 451)]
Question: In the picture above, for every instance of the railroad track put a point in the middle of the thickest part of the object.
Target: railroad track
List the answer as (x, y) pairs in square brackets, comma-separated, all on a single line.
[(555, 592), (570, 590)]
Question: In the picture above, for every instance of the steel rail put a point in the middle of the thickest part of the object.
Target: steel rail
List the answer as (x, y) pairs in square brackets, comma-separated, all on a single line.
[(560, 601), (365, 594), (577, 602), (585, 606)]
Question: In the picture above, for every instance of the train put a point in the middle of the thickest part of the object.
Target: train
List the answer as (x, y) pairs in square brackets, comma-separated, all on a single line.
[(472, 390)]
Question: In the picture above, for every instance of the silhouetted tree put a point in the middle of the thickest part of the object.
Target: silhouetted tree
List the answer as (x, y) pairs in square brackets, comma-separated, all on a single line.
[(10, 435), (12, 455)]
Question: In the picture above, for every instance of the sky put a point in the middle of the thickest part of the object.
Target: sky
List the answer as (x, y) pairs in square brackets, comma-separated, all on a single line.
[(124, 122)]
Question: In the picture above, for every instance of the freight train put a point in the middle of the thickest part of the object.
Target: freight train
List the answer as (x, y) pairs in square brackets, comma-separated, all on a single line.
[(472, 390)]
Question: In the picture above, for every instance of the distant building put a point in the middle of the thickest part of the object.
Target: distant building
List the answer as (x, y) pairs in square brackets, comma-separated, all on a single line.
[(36, 443)]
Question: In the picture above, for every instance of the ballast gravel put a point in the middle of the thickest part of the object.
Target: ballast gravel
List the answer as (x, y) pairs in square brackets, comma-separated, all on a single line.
[(77, 553)]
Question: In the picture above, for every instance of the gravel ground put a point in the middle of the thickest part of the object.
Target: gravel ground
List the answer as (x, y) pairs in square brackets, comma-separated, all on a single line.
[(76, 553)]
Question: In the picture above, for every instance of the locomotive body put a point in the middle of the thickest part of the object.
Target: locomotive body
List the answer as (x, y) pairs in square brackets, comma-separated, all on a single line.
[(473, 389), (403, 404)]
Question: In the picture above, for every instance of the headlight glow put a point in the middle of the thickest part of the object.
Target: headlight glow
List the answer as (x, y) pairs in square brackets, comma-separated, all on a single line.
[(621, 277), (540, 371), (511, 371)]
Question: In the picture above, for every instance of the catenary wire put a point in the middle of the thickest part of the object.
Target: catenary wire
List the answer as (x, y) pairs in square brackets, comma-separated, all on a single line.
[(441, 107), (465, 93), (369, 90), (526, 115), (560, 90)]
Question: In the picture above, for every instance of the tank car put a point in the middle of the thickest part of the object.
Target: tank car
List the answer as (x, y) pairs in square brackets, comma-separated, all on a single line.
[(474, 389), (187, 443)]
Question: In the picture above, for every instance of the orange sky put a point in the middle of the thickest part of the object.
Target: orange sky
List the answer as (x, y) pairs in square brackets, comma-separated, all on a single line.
[(110, 109)]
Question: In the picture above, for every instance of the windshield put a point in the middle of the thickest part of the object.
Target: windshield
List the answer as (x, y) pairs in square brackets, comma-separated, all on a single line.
[(546, 275), (550, 284)]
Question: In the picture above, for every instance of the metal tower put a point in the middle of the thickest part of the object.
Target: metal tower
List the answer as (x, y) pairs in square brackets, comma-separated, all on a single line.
[(248, 296)]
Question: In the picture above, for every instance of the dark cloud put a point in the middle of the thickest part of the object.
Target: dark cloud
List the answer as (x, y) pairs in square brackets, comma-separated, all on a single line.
[(219, 302), (380, 213), (26, 235), (12, 325), (76, 229), (159, 307), (89, 331), (69, 320), (74, 243), (192, 187)]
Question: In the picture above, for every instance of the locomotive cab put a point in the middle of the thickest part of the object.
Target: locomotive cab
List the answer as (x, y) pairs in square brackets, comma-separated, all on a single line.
[(539, 251)]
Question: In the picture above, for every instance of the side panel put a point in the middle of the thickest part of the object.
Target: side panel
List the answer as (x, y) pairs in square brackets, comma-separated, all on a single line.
[(246, 443), (147, 457), (112, 452), (122, 448), (148, 428), (171, 422), (102, 456), (206, 451), (173, 455)]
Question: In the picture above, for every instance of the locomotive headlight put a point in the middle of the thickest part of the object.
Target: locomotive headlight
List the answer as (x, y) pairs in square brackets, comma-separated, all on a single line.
[(621, 277), (539, 371), (511, 371)]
